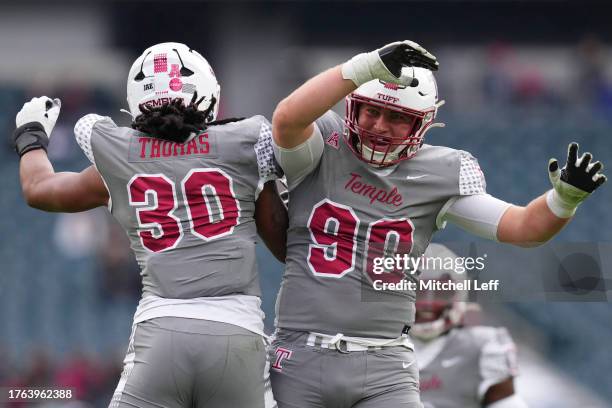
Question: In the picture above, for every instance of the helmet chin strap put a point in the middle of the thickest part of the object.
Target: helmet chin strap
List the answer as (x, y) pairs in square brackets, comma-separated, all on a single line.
[(371, 154)]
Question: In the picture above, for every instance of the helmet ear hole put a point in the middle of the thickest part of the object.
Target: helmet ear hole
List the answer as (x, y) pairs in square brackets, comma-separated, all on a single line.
[(140, 76), (186, 72)]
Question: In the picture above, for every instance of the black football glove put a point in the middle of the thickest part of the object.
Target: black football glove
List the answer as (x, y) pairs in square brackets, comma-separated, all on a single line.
[(386, 64), (401, 54), (575, 181)]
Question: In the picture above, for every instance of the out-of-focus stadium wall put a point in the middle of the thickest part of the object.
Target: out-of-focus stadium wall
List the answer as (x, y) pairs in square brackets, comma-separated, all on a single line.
[(46, 44)]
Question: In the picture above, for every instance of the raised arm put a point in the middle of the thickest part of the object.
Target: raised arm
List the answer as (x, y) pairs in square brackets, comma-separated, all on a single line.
[(292, 123), (47, 190), (42, 187), (545, 216), (531, 225)]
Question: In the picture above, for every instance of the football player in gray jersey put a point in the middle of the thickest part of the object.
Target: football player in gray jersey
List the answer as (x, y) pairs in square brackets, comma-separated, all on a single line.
[(459, 366), (364, 186), (191, 193)]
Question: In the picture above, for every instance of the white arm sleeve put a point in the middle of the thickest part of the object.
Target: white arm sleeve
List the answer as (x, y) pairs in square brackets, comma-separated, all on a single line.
[(479, 214), (513, 401), (300, 161)]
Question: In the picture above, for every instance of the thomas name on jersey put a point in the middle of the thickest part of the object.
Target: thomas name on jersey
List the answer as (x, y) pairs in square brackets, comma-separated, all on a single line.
[(437, 285), (144, 148)]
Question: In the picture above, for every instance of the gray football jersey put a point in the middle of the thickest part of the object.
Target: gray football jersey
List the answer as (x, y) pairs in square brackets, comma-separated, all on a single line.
[(472, 360), (343, 215), (187, 208)]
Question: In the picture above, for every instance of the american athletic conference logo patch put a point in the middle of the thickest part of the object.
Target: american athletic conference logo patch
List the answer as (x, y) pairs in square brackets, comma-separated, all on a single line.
[(281, 355), (332, 140)]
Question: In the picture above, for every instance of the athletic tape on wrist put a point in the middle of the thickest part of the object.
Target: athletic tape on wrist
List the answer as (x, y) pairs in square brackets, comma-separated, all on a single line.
[(363, 68), (559, 207)]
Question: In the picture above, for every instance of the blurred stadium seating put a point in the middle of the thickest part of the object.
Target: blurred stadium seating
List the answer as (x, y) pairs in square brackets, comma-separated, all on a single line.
[(66, 313)]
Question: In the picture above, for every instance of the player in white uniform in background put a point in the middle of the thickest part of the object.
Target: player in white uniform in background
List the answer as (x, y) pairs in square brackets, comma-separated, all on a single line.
[(459, 366), (367, 185), (191, 193)]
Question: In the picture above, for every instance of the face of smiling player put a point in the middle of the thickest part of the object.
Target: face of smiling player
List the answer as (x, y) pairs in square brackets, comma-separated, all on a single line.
[(390, 127), (385, 135)]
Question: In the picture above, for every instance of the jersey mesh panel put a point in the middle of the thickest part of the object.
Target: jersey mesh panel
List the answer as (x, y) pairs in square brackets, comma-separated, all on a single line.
[(82, 132)]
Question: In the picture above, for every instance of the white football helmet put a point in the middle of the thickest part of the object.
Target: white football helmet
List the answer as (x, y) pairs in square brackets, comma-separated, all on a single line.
[(420, 101), (168, 71), (438, 311)]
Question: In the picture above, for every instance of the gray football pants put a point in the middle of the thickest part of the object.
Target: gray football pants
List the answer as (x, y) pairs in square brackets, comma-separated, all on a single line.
[(184, 363), (313, 377)]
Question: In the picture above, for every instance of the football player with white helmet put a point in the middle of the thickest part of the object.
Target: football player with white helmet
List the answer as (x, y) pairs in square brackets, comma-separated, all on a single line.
[(416, 105), (191, 192), (466, 366), (368, 184)]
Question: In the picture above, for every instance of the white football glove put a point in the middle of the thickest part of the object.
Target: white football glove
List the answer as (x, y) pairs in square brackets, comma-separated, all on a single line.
[(43, 110), (35, 122), (573, 183), (386, 63)]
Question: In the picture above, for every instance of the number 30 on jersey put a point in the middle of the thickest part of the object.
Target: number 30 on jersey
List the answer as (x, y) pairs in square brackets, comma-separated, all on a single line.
[(156, 202)]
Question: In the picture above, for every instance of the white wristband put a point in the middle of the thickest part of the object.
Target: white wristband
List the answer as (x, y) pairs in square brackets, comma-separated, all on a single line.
[(559, 207), (368, 66), (363, 68)]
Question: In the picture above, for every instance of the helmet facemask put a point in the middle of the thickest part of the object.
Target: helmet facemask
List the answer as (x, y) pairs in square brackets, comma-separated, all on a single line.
[(438, 311), (419, 102)]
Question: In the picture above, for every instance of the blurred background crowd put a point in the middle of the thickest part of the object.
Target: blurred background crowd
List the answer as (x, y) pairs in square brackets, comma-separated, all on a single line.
[(520, 79)]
